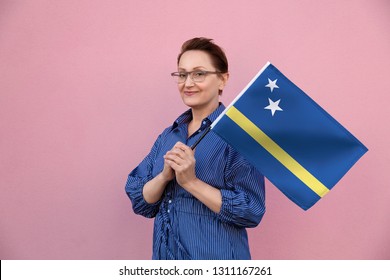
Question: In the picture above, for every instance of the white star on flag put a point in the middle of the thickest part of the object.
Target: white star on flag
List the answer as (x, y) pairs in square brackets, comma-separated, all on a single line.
[(273, 106), (272, 84)]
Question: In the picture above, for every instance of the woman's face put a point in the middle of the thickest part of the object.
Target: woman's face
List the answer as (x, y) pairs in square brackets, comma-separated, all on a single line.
[(200, 95)]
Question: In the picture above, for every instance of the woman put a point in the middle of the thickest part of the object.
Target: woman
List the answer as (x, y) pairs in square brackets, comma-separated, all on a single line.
[(202, 199)]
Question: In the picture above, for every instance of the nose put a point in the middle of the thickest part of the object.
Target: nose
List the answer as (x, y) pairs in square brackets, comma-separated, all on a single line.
[(189, 82)]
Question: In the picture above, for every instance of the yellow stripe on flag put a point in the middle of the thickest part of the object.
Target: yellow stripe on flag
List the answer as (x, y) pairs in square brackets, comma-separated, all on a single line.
[(274, 149)]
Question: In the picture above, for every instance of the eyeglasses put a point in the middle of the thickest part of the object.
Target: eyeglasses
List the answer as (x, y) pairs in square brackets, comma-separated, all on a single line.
[(196, 76)]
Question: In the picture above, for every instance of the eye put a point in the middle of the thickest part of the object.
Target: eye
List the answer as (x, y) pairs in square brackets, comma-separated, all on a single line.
[(199, 74), (182, 75)]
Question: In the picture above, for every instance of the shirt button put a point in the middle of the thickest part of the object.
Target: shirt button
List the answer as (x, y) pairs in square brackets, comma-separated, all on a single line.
[(168, 211), (169, 201), (204, 122), (199, 130)]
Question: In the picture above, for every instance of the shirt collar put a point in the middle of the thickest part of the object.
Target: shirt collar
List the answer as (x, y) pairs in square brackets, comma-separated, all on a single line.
[(186, 117)]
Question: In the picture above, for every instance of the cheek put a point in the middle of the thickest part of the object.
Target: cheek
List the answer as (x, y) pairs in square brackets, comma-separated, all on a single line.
[(206, 86), (213, 88), (180, 87)]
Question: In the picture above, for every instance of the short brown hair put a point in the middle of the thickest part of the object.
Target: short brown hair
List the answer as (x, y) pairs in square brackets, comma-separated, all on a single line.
[(217, 55)]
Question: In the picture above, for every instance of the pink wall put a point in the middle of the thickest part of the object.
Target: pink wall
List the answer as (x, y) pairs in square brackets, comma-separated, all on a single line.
[(85, 89)]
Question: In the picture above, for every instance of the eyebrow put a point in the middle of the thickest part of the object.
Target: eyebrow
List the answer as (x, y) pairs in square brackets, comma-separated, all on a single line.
[(195, 68)]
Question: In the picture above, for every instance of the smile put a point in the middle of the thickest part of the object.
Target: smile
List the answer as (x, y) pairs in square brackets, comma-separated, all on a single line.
[(190, 93)]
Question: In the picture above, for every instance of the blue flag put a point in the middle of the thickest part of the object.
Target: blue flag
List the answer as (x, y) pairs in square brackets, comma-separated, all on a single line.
[(288, 137)]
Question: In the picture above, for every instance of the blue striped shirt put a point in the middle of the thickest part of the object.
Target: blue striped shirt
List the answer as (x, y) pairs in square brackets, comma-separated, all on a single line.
[(184, 228)]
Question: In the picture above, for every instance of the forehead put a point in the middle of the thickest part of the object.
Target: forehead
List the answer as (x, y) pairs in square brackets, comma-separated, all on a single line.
[(195, 59)]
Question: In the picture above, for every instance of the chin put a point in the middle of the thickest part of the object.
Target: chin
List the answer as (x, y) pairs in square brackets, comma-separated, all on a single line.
[(191, 102)]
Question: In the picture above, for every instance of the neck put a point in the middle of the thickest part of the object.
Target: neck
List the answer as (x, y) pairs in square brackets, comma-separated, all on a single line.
[(198, 114)]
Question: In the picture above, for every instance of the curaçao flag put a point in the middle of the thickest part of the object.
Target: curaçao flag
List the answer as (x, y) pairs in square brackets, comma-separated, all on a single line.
[(288, 137)]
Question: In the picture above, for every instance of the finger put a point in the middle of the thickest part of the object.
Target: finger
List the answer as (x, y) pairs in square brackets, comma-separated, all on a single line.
[(173, 157), (184, 162), (176, 153), (187, 150), (178, 145), (172, 164), (181, 146)]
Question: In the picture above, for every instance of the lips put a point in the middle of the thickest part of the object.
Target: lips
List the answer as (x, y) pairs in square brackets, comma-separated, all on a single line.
[(190, 93)]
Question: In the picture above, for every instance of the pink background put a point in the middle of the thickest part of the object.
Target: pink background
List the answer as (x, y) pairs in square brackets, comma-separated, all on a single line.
[(85, 90)]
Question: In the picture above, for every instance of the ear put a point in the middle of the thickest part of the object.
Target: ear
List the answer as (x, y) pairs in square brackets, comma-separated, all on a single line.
[(224, 78)]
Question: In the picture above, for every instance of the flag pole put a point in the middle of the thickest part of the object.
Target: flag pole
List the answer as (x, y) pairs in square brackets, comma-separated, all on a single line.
[(201, 137)]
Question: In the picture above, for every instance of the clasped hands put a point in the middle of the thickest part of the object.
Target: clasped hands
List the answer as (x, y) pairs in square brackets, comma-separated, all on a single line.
[(180, 162)]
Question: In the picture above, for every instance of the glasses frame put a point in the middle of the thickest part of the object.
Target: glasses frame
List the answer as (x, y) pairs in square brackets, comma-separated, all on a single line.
[(176, 75)]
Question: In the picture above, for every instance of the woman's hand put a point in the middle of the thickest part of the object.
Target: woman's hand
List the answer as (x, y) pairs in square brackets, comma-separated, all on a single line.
[(181, 159), (154, 189), (168, 173)]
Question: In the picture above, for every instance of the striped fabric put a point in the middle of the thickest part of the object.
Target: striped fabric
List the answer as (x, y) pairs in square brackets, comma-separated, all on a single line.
[(184, 228)]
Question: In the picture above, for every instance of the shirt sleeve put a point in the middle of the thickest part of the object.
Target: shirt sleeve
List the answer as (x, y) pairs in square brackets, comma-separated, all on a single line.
[(243, 201), (136, 181)]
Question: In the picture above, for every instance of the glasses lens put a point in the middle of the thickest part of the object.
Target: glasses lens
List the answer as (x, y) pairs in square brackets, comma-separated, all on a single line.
[(198, 76), (195, 76), (179, 77)]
